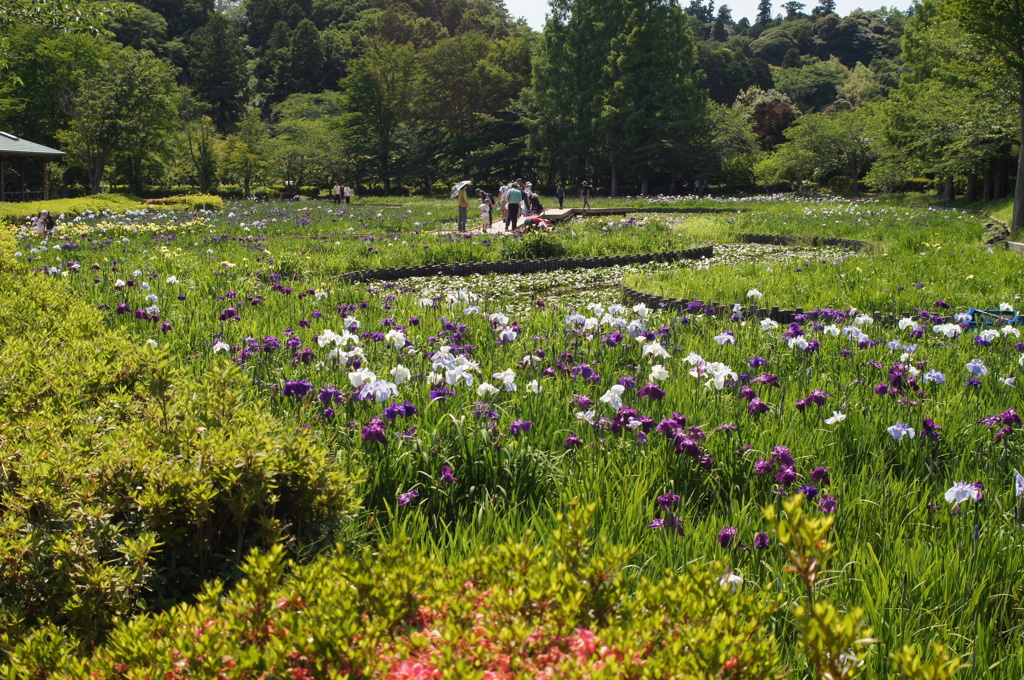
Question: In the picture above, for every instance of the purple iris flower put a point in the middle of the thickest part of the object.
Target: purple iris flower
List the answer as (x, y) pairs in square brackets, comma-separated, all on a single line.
[(408, 496), (727, 536), (582, 401), (572, 442), (519, 427), (651, 391), (809, 491), (296, 388), (819, 475), (229, 314), (761, 541), (786, 475), (762, 467), (668, 501), (447, 476), (330, 394), (756, 406), (374, 431)]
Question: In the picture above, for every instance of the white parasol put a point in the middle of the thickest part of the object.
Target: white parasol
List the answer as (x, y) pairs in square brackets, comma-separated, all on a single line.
[(459, 187)]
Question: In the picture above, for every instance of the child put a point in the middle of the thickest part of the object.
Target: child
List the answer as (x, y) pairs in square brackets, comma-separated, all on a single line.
[(45, 224), (485, 215)]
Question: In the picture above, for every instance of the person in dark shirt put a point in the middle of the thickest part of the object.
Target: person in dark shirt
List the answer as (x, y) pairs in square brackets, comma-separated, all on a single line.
[(560, 195), (585, 194)]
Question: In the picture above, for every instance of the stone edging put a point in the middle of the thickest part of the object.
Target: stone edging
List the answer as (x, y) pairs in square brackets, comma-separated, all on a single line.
[(783, 316), (524, 266), (814, 241)]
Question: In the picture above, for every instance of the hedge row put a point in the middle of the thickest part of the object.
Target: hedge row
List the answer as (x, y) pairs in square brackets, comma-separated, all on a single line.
[(15, 214), (127, 481)]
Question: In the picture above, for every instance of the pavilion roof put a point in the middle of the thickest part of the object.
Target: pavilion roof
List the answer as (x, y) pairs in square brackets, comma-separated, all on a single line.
[(12, 147)]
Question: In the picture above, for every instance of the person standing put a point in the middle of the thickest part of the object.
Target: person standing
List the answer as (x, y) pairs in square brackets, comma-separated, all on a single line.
[(485, 215), (560, 195), (585, 194), (348, 194), (42, 223), (502, 190), (487, 199), (336, 192), (463, 208), (513, 197)]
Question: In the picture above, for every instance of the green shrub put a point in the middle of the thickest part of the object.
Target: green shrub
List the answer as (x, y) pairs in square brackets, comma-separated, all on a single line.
[(14, 214), (127, 481), (194, 203), (920, 185), (517, 611), (531, 247)]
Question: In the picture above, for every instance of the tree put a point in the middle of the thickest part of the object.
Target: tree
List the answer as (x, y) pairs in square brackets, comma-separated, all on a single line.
[(735, 148), (567, 85), (770, 113), (718, 31), (218, 70), (200, 137), (307, 58), (813, 86), (825, 7), (246, 152), (997, 28), (307, 149), (379, 94), (727, 73), (49, 63), (125, 107), (183, 16), (764, 12), (651, 99), (73, 16), (820, 146), (793, 8)]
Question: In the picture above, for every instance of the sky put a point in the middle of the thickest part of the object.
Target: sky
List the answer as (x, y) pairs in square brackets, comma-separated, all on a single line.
[(534, 10)]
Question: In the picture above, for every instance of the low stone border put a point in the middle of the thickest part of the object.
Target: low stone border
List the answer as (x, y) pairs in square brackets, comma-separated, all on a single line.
[(814, 241), (524, 266), (783, 316)]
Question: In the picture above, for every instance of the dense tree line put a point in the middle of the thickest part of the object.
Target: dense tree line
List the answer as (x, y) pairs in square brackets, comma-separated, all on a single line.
[(636, 95)]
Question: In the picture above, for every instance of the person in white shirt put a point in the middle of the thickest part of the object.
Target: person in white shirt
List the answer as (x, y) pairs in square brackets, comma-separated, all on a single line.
[(348, 194), (485, 216), (502, 190), (336, 193)]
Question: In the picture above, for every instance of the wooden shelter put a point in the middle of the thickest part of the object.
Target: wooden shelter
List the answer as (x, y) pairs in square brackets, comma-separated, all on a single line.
[(23, 151)]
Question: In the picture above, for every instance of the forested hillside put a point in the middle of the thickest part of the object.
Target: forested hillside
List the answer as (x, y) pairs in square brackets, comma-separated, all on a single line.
[(396, 96)]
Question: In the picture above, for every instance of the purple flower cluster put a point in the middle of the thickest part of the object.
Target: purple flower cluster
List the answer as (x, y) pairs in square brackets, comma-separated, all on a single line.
[(376, 431), (394, 410), (1005, 421)]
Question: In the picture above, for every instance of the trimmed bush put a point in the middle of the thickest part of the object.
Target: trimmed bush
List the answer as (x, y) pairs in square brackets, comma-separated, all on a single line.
[(15, 213), (127, 481), (518, 611), (190, 203)]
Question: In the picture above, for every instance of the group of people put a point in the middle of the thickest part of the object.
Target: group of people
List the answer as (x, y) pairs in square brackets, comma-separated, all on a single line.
[(337, 192), (515, 199)]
